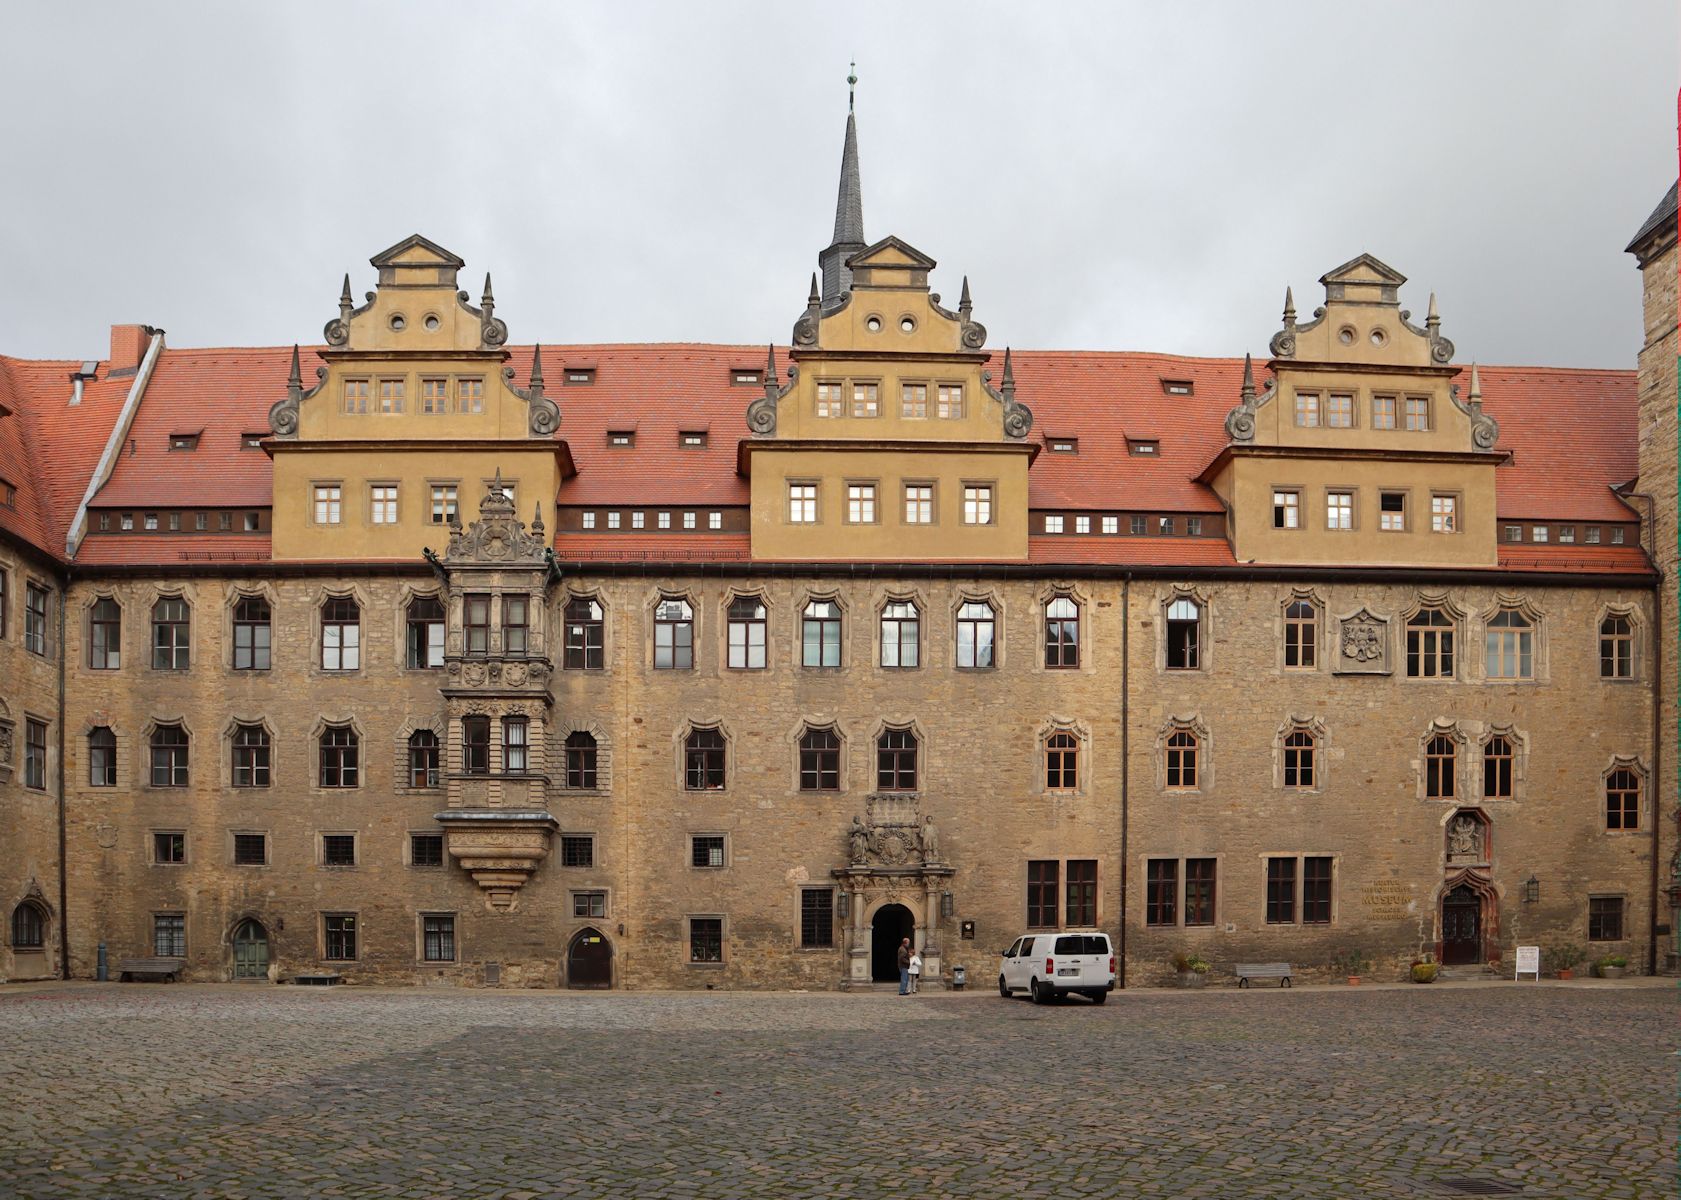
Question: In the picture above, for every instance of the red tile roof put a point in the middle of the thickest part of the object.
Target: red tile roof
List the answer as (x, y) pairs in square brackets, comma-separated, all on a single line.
[(173, 549), (1611, 560)]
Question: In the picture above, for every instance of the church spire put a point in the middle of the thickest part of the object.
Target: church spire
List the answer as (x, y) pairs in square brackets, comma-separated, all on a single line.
[(849, 213)]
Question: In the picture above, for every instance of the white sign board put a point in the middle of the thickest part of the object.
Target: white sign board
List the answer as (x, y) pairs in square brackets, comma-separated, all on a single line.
[(1529, 959)]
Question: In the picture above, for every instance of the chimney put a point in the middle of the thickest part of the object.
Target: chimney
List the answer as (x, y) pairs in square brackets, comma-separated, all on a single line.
[(128, 347)]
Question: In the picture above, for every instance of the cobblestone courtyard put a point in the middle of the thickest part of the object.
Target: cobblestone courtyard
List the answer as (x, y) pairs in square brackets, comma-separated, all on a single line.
[(222, 1091)]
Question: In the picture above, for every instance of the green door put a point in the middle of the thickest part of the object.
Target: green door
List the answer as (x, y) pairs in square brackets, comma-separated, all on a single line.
[(250, 950)]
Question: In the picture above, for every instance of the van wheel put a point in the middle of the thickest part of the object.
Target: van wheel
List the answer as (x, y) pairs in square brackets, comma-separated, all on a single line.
[(1040, 995), (1099, 997), (1003, 988)]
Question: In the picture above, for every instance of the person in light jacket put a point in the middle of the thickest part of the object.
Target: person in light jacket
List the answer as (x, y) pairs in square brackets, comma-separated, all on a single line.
[(915, 969)]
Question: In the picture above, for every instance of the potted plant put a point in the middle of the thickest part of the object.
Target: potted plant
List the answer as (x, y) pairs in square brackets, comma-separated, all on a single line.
[(1192, 969), (1612, 966), (1352, 964), (1561, 959), (1425, 970)]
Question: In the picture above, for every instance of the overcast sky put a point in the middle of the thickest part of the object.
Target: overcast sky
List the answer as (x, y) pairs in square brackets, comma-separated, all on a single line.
[(1114, 176)]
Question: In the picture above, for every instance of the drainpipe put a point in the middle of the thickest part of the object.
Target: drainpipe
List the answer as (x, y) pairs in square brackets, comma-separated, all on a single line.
[(1650, 537), (1126, 764), (63, 863)]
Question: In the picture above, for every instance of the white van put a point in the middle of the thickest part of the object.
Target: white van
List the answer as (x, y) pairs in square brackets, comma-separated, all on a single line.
[(1048, 966)]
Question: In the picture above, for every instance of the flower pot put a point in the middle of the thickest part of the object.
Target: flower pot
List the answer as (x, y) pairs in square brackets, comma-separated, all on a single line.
[(1192, 979), (1612, 972), (1566, 973), (1424, 973), (1354, 981)]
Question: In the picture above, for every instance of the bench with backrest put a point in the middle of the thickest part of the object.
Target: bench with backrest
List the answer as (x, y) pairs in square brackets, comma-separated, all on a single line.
[(1246, 972), (164, 969), (316, 978)]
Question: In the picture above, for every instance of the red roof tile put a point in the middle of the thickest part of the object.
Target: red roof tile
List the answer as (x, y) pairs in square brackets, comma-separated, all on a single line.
[(1576, 559), (173, 549)]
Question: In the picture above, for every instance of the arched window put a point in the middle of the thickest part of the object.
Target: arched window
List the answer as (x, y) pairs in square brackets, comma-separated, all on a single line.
[(674, 635), (425, 633), (820, 634), (250, 756), (585, 635), (1511, 645), (340, 757), (423, 759), (251, 634), (105, 635), (29, 927), (1622, 799), (1430, 645), (1182, 752), (977, 626), (341, 634), (1301, 635), (1184, 635), (1616, 647), (1300, 751), (746, 620), (819, 761), (1062, 633), (703, 760), (1441, 759), (580, 759), (170, 634), (896, 761), (1497, 768), (1062, 757), (901, 634), (102, 757), (169, 756)]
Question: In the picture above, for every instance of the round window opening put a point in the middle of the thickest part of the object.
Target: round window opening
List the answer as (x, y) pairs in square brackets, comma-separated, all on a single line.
[(1345, 335), (399, 322), (431, 322), (1379, 337), (873, 324), (907, 324)]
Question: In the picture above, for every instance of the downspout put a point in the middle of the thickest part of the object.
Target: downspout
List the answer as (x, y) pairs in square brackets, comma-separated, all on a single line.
[(1126, 761), (114, 444), (1649, 536), (63, 841)]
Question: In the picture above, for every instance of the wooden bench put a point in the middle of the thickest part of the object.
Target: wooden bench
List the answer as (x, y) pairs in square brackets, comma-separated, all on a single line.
[(317, 978), (164, 969), (1248, 971)]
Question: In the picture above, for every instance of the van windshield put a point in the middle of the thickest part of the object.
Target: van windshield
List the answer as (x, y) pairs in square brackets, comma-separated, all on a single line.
[(1082, 943)]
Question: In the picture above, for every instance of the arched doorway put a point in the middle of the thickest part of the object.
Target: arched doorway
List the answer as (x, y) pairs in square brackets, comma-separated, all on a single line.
[(250, 950), (1462, 927), (589, 960), (892, 923)]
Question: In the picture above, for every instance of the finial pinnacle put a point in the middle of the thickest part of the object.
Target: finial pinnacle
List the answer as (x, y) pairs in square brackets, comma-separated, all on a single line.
[(815, 295), (964, 304), (344, 293), (1009, 380), (1476, 396), (295, 379), (537, 366), (851, 85), (770, 361), (488, 294), (1248, 392), (1432, 315), (1289, 304)]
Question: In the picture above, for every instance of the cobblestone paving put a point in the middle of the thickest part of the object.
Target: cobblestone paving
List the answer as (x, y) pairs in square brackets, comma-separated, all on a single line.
[(230, 1092)]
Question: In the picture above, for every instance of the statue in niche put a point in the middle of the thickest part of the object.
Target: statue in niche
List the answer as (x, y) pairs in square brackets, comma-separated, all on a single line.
[(930, 839), (1465, 840), (858, 840)]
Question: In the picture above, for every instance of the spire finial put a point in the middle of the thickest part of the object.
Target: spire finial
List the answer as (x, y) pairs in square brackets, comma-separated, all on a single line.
[(964, 304), (851, 85), (295, 380), (770, 361), (537, 366), (488, 294), (1248, 393), (1476, 396), (344, 292), (815, 295), (1432, 317), (1289, 305), (1008, 384)]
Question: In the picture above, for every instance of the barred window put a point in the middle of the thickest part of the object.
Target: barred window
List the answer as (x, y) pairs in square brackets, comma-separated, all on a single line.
[(250, 849), (577, 850), (169, 935), (29, 927), (339, 937), (706, 939), (426, 850), (1605, 918), (817, 917), (338, 849), (437, 933)]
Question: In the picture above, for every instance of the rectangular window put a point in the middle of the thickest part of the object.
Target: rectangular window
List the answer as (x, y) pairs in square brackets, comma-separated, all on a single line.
[(356, 395), (1605, 918), (1111, 524), (1161, 892), (1165, 526), (1199, 891), (861, 503), (1082, 524), (475, 745), (706, 939), (251, 634), (1316, 891), (1383, 412), (169, 849), (339, 937), (1589, 535), (919, 504), (866, 400), (514, 747), (1053, 523), (327, 503), (1567, 533), (341, 635), (1307, 409), (688, 520), (1081, 908), (1444, 513), (426, 850), (1616, 535), (587, 905), (1538, 533), (1139, 526), (151, 522), (34, 753), (802, 504), (621, 437), (382, 499), (706, 850), (577, 850), (1416, 413), (391, 395), (829, 398), (340, 757), (613, 519), (169, 935), (434, 396), (817, 917), (714, 520), (338, 849), (691, 441), (250, 849), (105, 635), (948, 402), (1392, 512), (1339, 411), (1042, 880), (638, 520), (251, 757), (469, 395), (1286, 510), (1339, 511), (588, 520), (664, 520), (443, 503), (913, 400), (437, 937), (516, 624), (1281, 891), (475, 623)]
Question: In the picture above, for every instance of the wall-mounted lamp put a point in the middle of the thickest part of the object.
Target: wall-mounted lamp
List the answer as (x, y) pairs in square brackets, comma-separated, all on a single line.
[(843, 907), (1531, 890), (947, 904), (621, 929)]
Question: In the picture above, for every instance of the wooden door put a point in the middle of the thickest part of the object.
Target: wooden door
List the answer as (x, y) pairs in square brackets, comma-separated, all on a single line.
[(589, 961), (250, 951), (1462, 927)]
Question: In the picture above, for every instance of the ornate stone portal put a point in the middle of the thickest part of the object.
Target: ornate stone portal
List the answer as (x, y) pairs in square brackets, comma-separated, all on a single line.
[(893, 857)]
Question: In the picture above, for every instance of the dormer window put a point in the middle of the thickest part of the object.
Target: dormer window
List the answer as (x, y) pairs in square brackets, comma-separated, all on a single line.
[(1178, 387), (745, 377), (1064, 445), (693, 440), (183, 441), (126, 522), (621, 437), (250, 441), (580, 376), (8, 494), (1144, 448)]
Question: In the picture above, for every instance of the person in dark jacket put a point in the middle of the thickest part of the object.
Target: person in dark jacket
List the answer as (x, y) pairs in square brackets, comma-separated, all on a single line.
[(904, 966)]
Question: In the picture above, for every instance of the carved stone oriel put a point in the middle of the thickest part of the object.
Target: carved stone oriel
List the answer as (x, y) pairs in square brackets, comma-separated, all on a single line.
[(1362, 645)]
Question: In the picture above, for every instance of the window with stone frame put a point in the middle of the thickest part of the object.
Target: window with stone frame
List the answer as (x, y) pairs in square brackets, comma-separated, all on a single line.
[(1510, 645), (338, 934), (817, 917), (169, 756), (35, 605), (426, 849), (250, 756), (169, 848), (1499, 757), (747, 634), (1301, 635), (475, 745), (475, 623), (1605, 918), (577, 850), (250, 849), (1622, 799), (516, 732), (1199, 891), (516, 624), (586, 630), (1316, 890), (896, 765), (707, 850), (29, 926), (171, 634), (580, 760), (1184, 635), (169, 935), (341, 634), (1062, 633), (674, 635), (977, 633), (802, 503), (1430, 636), (1616, 647), (1281, 891), (338, 849), (1161, 892), (425, 624), (706, 939), (820, 634), (1080, 894), (703, 759), (819, 760), (1062, 758), (1043, 885), (102, 757), (252, 633), (437, 937), (105, 635), (901, 635), (34, 754), (1441, 767), (589, 905), (1184, 751), (423, 759), (1301, 755), (340, 757)]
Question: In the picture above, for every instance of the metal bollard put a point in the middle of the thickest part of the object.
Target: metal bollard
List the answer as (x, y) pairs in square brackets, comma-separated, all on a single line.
[(103, 972)]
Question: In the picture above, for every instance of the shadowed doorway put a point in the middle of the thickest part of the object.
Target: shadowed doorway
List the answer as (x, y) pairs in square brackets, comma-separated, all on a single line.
[(892, 923), (589, 961)]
